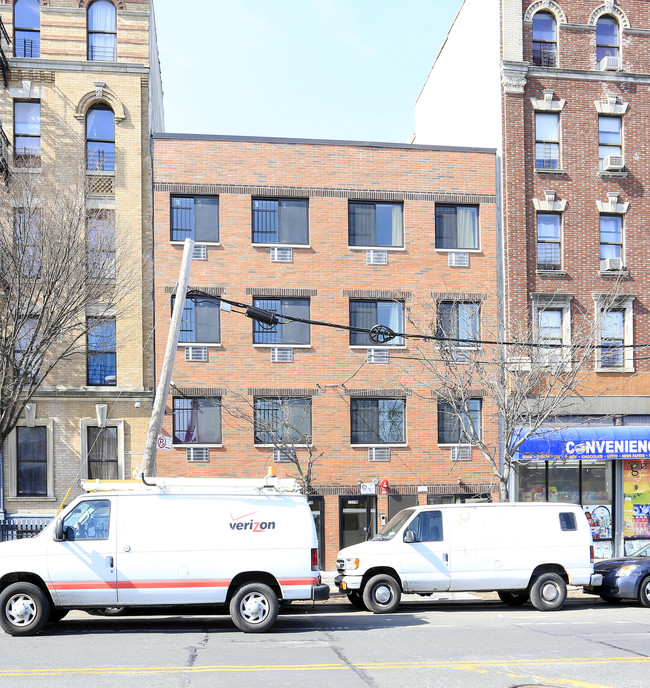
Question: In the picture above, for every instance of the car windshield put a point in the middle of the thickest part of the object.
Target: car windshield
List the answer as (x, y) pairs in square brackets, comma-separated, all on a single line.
[(390, 530)]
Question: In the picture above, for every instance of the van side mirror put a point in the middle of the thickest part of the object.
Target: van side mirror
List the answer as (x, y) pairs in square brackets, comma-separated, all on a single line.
[(58, 530), (409, 536)]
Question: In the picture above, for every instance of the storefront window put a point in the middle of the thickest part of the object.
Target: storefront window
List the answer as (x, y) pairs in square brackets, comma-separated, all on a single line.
[(564, 482), (636, 505), (532, 482)]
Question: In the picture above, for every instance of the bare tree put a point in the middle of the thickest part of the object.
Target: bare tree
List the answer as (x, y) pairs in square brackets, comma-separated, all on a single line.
[(59, 262), (495, 390)]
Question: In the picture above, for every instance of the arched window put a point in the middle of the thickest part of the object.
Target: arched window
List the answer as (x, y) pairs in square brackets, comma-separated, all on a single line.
[(544, 40), (100, 138), (102, 36), (607, 41), (27, 28)]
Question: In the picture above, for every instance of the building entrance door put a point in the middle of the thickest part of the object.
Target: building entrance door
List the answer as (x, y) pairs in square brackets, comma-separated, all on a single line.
[(357, 519)]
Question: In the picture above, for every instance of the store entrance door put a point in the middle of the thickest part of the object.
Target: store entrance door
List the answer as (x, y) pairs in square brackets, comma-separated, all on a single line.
[(357, 519)]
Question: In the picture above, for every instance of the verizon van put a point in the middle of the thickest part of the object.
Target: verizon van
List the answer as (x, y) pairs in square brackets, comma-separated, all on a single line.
[(248, 544), (522, 551)]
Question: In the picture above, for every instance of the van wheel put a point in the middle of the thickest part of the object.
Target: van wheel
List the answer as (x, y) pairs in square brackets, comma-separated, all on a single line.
[(644, 592), (24, 609), (382, 594), (513, 599), (548, 592), (254, 608), (356, 599)]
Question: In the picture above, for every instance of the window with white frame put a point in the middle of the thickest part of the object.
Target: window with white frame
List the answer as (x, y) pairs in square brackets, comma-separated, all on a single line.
[(197, 420), (459, 322), (375, 224), (609, 136), (31, 461), (283, 420), (366, 313), (459, 422), (195, 217), (607, 38), (280, 221), (27, 133), (286, 332), (200, 322), (615, 332), (377, 421), (549, 241), (552, 322), (544, 40), (457, 227), (102, 452), (102, 31), (547, 140), (611, 237)]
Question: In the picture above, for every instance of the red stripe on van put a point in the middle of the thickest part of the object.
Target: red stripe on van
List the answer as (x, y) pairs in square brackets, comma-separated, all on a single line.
[(152, 584), (298, 581), (83, 585)]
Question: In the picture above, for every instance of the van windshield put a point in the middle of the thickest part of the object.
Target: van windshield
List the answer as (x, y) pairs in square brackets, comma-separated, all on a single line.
[(390, 530)]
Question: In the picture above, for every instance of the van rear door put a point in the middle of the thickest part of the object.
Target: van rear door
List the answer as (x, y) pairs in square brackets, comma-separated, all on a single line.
[(425, 560)]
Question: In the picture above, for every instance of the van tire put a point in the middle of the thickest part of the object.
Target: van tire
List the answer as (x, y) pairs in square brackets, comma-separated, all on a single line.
[(356, 599), (548, 592), (513, 599), (24, 609), (254, 608), (644, 592), (382, 594)]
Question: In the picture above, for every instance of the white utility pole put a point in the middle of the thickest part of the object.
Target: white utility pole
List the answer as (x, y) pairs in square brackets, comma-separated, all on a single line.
[(162, 391)]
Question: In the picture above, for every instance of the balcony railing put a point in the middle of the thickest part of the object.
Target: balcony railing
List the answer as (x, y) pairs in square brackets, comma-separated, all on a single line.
[(4, 63)]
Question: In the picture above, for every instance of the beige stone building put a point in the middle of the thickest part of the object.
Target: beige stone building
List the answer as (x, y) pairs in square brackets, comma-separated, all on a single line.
[(83, 92)]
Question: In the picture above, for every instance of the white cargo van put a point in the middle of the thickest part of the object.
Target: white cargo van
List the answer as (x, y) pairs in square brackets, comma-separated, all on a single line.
[(246, 543), (522, 551)]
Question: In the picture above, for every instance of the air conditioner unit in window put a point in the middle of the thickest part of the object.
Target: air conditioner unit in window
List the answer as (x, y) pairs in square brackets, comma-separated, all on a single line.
[(461, 452), (200, 252), (610, 63), (458, 259), (461, 355), (282, 355), (198, 454), (378, 356), (281, 255), (375, 257), (611, 264), (284, 454), (378, 453), (613, 163), (196, 353), (550, 359)]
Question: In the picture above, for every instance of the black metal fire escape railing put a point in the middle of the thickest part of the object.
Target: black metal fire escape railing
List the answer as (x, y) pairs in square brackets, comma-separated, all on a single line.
[(4, 62)]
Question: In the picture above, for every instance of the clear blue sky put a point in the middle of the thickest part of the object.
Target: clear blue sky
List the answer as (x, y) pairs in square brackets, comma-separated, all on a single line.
[(332, 69)]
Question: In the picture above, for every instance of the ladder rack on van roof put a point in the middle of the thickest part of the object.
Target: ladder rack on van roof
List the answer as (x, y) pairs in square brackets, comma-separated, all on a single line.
[(197, 485)]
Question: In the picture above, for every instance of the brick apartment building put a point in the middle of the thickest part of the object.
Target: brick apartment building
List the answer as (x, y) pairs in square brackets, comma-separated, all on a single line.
[(337, 232), (82, 93), (573, 144)]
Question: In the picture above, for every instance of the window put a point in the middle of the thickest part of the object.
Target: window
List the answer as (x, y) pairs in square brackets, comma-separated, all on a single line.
[(286, 332), (283, 420), (606, 38), (195, 217), (102, 356), (197, 420), (102, 37), (549, 246), (100, 237), (103, 460), (100, 138), (612, 338), (377, 421), (427, 526), (201, 321), (568, 521), (375, 224), (609, 136), (27, 242), (27, 133), (547, 140), (27, 28), (458, 423), (28, 354), (365, 314), (89, 520), (544, 40), (459, 321), (281, 221), (550, 333), (611, 237), (31, 461), (456, 227)]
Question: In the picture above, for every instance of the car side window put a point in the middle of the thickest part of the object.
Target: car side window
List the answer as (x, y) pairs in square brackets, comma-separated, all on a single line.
[(427, 526), (89, 520)]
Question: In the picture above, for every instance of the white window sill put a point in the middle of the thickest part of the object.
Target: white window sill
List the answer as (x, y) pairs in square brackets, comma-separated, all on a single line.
[(380, 445), (256, 245), (614, 369), (551, 273), (196, 445), (458, 250), (214, 345), (614, 273), (31, 498), (548, 170), (283, 446), (388, 347), (376, 248), (176, 242)]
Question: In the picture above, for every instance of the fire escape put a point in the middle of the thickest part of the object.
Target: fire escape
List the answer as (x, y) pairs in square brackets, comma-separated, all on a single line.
[(4, 66)]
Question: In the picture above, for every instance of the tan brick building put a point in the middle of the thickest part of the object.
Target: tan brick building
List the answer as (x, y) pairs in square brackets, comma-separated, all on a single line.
[(337, 232), (83, 92)]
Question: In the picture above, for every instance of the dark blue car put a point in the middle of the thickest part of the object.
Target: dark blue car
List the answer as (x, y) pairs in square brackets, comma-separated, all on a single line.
[(627, 578)]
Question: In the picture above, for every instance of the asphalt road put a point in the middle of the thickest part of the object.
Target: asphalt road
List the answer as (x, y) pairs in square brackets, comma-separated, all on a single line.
[(462, 643)]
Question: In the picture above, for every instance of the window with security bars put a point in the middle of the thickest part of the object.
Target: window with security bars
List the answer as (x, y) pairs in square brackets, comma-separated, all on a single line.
[(377, 421), (31, 461), (196, 420), (459, 322), (547, 140), (101, 353), (544, 40), (458, 423), (375, 224), (286, 332), (27, 28), (103, 460), (280, 221), (200, 320), (367, 313), (283, 420), (549, 243), (195, 217), (102, 31)]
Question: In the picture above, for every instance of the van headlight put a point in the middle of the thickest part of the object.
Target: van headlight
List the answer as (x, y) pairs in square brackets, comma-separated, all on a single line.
[(350, 563)]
